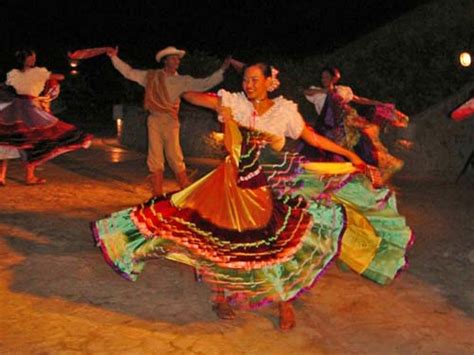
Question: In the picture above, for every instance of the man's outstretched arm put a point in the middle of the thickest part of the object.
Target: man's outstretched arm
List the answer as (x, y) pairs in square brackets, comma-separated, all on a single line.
[(136, 75)]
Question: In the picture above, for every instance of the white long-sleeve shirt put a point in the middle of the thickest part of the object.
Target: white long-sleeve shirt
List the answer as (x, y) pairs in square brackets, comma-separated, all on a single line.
[(176, 84)]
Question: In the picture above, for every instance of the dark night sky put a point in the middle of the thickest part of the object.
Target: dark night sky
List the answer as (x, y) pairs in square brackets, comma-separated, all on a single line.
[(293, 28)]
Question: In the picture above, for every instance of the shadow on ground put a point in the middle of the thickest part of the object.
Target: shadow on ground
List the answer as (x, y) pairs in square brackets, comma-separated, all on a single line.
[(64, 263)]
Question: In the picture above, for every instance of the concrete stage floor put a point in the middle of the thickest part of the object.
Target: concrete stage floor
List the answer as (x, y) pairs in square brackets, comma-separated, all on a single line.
[(59, 296)]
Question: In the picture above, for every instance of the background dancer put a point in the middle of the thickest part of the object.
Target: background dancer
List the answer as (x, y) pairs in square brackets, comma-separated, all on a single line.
[(26, 122), (340, 122), (163, 88)]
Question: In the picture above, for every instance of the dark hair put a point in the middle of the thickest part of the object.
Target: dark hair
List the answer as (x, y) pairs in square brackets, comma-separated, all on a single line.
[(264, 67), (21, 56), (332, 70)]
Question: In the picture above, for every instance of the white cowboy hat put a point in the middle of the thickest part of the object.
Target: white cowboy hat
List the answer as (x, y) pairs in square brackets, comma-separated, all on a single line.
[(169, 51)]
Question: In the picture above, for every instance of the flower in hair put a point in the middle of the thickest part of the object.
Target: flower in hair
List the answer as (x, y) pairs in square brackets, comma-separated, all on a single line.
[(275, 82)]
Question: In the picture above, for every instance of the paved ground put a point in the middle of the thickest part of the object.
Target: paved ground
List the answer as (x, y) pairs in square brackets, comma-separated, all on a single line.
[(58, 296)]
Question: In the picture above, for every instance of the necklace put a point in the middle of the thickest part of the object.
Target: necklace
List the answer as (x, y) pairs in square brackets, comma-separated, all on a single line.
[(259, 101), (258, 106)]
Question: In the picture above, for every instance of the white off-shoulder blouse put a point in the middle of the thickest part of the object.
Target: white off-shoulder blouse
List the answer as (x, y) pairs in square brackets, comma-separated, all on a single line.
[(318, 99), (282, 119)]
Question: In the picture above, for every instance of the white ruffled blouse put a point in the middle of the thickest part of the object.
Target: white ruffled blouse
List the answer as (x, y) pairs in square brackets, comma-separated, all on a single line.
[(282, 119), (29, 82), (318, 99)]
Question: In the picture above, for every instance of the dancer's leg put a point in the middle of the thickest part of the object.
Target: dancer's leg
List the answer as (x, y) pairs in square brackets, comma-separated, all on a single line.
[(31, 178), (3, 172), (156, 179), (287, 315)]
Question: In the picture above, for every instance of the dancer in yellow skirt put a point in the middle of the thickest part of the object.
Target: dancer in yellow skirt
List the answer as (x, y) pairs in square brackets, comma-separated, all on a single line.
[(264, 225)]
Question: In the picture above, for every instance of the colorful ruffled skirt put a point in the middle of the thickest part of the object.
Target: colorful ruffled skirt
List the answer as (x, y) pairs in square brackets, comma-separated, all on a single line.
[(38, 134), (267, 243), (342, 124)]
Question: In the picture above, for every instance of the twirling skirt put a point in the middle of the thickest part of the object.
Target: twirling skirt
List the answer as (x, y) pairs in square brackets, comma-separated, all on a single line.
[(38, 134), (286, 252)]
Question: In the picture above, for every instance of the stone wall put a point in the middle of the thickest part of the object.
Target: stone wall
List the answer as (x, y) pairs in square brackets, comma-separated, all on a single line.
[(196, 127), (441, 145)]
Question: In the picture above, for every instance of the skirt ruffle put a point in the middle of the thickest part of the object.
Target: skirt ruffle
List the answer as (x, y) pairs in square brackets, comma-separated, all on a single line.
[(378, 237), (38, 135), (271, 276), (315, 218)]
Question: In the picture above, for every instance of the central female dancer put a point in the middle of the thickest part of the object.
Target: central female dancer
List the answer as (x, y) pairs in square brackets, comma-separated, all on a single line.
[(258, 231)]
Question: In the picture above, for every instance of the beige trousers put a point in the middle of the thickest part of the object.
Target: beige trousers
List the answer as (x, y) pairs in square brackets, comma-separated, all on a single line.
[(163, 135)]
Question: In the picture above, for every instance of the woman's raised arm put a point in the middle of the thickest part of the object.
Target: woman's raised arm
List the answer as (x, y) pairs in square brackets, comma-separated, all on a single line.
[(365, 101), (207, 100)]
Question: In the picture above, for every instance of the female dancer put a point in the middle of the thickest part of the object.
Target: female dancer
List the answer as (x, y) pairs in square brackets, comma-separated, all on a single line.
[(261, 233), (26, 122), (341, 123)]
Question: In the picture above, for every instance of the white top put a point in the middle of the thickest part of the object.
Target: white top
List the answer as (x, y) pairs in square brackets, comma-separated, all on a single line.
[(318, 99), (282, 119), (29, 82)]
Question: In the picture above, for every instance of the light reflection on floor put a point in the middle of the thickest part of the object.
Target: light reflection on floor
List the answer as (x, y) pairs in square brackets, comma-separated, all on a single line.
[(115, 153)]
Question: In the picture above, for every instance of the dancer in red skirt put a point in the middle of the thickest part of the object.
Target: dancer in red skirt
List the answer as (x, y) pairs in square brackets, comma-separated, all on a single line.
[(26, 122)]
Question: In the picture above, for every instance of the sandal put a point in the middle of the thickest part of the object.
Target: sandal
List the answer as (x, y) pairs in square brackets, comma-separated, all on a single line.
[(36, 181), (223, 310), (287, 316)]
